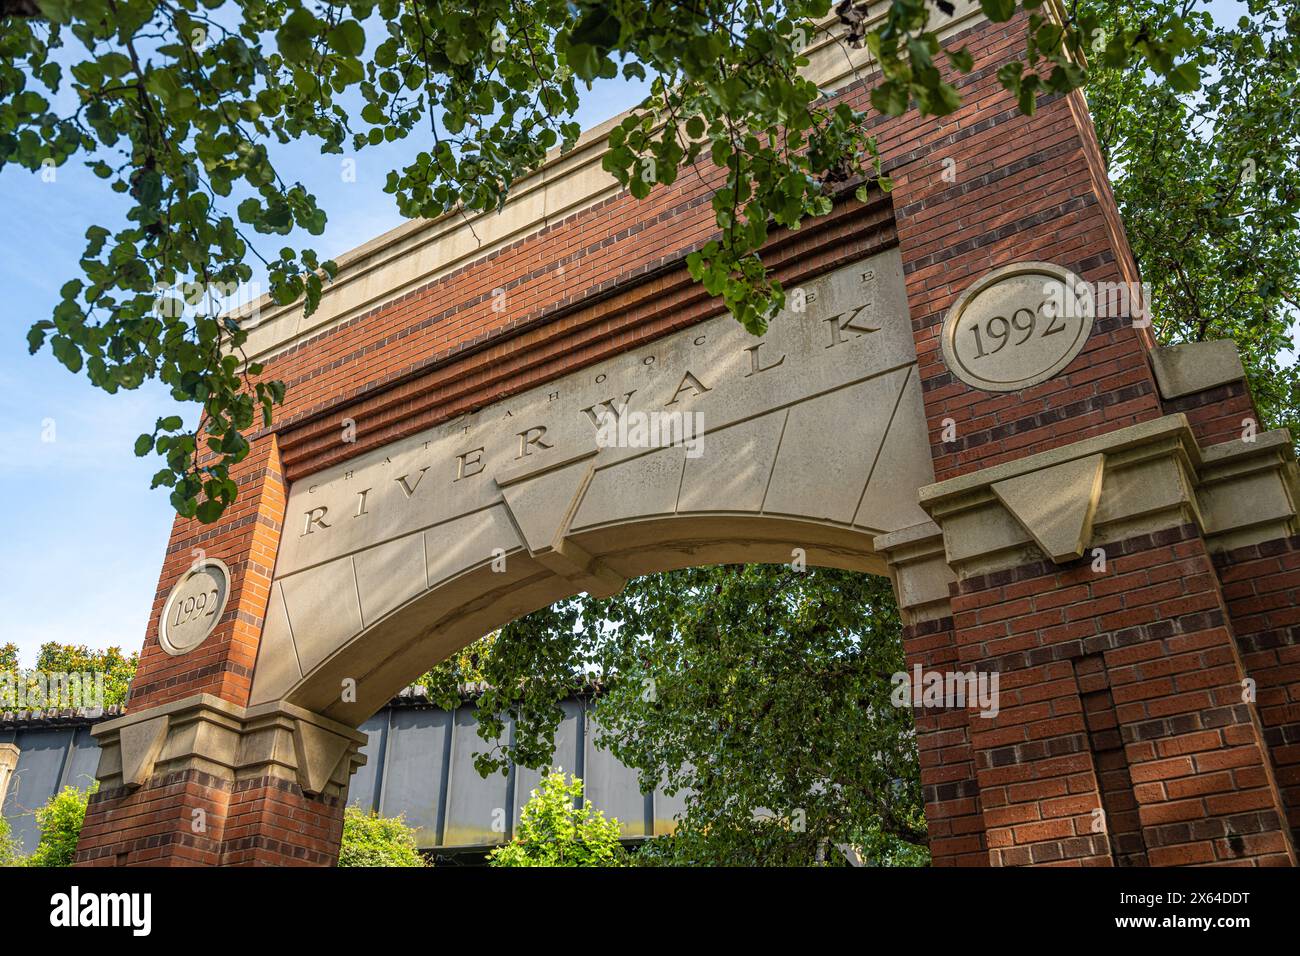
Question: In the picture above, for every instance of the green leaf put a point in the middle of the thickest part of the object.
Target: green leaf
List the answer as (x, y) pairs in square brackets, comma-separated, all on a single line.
[(57, 11), (999, 11), (961, 59), (598, 28), (347, 38), (1186, 78)]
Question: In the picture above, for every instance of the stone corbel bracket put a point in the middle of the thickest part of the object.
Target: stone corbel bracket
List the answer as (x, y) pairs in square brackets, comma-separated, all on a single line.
[(1248, 490), (542, 501), (1061, 503), (223, 740)]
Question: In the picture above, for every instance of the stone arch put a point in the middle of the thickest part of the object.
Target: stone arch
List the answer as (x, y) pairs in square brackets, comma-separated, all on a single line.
[(719, 447)]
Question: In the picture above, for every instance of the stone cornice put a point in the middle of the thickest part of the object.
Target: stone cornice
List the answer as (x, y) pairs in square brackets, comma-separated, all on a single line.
[(227, 742), (1061, 503)]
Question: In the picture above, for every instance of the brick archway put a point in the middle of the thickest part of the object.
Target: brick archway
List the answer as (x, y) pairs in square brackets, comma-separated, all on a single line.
[(1104, 539)]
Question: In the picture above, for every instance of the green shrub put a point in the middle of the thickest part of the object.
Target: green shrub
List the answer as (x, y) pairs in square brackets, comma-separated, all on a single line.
[(554, 832), (60, 823), (372, 840), (10, 851)]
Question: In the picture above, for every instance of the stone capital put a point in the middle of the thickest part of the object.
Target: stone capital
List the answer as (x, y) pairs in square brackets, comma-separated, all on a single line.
[(1059, 504), (919, 569), (231, 743)]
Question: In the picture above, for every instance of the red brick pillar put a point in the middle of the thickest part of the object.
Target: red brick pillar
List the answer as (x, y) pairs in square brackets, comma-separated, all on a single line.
[(191, 775), (1121, 693), (1122, 737), (1037, 780), (953, 810), (1256, 551)]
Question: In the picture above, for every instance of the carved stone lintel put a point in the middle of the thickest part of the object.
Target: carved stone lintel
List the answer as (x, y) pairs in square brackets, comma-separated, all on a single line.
[(229, 742)]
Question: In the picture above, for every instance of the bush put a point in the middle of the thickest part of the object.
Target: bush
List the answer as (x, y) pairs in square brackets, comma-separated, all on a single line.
[(60, 822), (372, 840), (10, 851), (555, 832)]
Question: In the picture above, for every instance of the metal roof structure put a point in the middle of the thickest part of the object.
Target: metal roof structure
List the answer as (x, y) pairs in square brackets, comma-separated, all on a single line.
[(420, 766)]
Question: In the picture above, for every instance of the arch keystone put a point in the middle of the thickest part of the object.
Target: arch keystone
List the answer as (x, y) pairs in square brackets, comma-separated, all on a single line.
[(1056, 505), (542, 500)]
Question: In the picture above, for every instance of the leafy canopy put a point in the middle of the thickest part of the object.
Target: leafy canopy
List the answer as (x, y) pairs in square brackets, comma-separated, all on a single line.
[(759, 693), (10, 851), (53, 658), (60, 822), (179, 106), (1208, 184)]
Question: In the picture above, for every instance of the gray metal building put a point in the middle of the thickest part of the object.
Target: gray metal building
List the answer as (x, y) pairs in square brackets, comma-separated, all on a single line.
[(420, 765)]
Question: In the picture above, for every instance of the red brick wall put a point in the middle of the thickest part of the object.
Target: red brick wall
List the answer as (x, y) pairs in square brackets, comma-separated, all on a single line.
[(262, 822), (246, 539), (1143, 649), (1026, 188), (273, 823), (953, 812), (1217, 415), (1261, 584), (155, 825)]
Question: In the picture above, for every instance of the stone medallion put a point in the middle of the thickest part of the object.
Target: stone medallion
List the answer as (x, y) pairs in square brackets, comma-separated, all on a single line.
[(194, 606), (1017, 326)]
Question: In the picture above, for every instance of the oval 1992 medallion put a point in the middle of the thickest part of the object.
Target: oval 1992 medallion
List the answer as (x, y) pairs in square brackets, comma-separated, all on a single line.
[(194, 607), (1017, 326)]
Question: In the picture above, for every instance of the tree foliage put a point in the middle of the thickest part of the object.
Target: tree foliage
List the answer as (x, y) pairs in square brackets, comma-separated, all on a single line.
[(557, 827), (10, 851), (759, 692), (1208, 185), (117, 668), (60, 822), (372, 840), (179, 107)]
